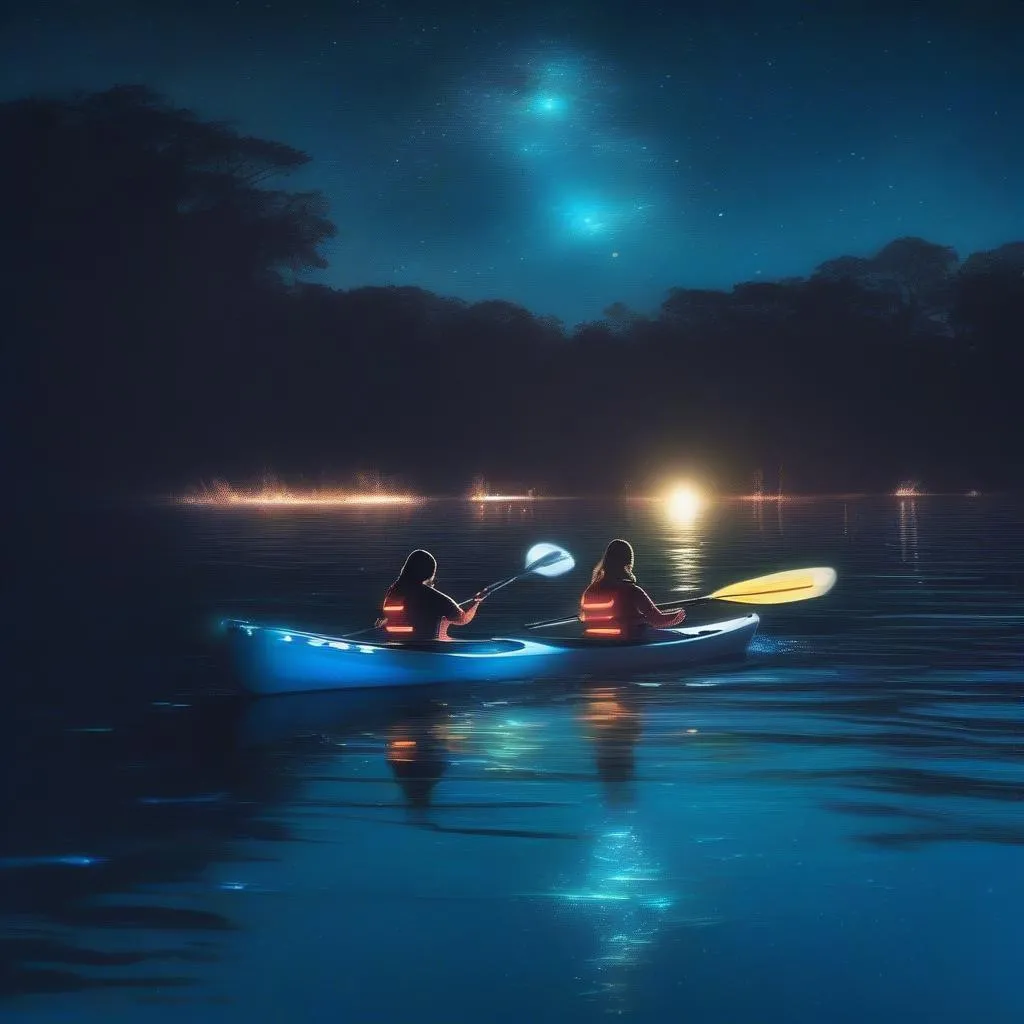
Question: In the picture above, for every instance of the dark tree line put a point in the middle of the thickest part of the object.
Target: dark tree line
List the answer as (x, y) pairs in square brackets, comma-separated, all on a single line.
[(157, 331)]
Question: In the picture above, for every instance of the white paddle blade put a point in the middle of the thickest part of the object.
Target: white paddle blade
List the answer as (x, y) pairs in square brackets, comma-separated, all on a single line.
[(548, 560)]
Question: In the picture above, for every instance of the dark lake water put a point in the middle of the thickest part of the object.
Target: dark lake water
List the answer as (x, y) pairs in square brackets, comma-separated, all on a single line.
[(831, 831)]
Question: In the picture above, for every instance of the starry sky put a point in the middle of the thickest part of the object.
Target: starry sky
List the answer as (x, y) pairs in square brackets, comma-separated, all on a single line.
[(568, 155)]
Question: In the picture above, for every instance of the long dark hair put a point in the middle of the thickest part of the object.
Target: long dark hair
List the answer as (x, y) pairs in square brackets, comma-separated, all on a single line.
[(420, 567), (616, 563)]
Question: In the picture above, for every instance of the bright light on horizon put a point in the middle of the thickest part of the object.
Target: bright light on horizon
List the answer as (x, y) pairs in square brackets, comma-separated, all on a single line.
[(684, 503)]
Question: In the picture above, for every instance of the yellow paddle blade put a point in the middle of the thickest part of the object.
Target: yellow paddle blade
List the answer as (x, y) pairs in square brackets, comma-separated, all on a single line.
[(780, 587)]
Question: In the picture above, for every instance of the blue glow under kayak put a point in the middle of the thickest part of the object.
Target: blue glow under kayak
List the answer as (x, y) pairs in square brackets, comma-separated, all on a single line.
[(276, 660)]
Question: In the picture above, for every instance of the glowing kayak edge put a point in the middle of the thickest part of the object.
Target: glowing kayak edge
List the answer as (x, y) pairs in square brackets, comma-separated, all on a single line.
[(277, 660)]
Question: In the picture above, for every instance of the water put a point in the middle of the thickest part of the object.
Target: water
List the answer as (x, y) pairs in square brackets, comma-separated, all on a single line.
[(831, 831)]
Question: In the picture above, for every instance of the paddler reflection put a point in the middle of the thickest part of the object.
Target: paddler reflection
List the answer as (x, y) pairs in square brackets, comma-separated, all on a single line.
[(417, 755), (613, 725)]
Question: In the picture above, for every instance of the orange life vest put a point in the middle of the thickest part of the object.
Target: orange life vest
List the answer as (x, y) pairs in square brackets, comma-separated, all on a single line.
[(396, 621), (603, 610)]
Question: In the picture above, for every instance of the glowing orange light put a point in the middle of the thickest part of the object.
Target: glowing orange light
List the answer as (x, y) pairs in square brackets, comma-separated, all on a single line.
[(380, 499), (604, 711), (278, 496), (503, 497), (401, 751), (603, 631), (907, 489)]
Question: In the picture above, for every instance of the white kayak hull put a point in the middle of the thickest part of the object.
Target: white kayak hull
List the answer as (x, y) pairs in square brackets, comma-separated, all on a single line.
[(275, 660)]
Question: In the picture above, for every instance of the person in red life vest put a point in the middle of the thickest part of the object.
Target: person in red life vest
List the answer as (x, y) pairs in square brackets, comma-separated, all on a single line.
[(414, 610), (614, 606)]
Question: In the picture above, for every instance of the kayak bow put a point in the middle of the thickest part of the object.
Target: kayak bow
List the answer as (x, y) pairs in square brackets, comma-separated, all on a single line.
[(274, 660)]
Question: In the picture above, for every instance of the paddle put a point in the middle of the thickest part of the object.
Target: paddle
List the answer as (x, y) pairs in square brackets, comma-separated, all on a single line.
[(776, 588), (541, 560)]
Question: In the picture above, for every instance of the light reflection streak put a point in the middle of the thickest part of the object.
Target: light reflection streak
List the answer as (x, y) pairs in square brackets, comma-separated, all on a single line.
[(685, 553), (908, 532), (623, 894)]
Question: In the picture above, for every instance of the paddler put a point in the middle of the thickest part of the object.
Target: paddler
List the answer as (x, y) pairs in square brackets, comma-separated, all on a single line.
[(614, 606), (414, 609)]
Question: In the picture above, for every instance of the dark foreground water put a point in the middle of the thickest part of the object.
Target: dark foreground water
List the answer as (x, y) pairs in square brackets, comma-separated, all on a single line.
[(830, 832)]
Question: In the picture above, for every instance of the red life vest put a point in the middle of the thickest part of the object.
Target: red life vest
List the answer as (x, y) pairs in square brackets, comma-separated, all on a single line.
[(606, 611)]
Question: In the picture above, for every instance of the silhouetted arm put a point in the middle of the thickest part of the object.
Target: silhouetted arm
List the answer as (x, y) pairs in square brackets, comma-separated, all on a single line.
[(456, 616), (652, 616)]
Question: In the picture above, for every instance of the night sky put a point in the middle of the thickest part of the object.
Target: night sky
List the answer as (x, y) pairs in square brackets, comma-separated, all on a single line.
[(569, 155)]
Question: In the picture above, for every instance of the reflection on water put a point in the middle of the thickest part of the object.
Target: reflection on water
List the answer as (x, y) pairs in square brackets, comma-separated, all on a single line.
[(761, 507), (685, 556), (154, 799), (497, 511), (612, 726), (851, 793), (623, 900), (623, 894), (681, 535), (415, 751), (908, 531)]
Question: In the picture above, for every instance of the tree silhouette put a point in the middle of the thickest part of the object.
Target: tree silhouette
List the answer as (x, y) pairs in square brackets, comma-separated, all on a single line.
[(159, 331), (136, 234)]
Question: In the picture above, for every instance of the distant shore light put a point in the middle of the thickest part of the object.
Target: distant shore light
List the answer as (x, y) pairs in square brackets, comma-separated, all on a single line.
[(908, 489), (227, 497), (684, 503)]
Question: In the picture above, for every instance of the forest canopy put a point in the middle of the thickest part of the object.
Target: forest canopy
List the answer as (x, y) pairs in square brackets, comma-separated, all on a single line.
[(161, 328)]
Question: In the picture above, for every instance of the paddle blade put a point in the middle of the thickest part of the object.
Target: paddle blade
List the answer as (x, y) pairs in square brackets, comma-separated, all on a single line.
[(548, 560), (779, 587)]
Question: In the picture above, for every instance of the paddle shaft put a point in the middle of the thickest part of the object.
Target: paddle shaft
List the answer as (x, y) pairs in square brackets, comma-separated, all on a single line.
[(719, 595), (672, 607), (492, 587), (551, 558)]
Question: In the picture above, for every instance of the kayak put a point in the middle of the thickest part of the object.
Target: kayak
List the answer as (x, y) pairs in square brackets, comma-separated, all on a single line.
[(275, 660)]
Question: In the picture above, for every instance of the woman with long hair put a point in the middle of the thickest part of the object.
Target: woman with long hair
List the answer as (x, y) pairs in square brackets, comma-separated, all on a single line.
[(413, 609), (615, 606)]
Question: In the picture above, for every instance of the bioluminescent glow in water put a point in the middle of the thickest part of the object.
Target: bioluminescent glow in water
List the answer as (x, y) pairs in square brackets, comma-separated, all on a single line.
[(67, 860), (625, 893)]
